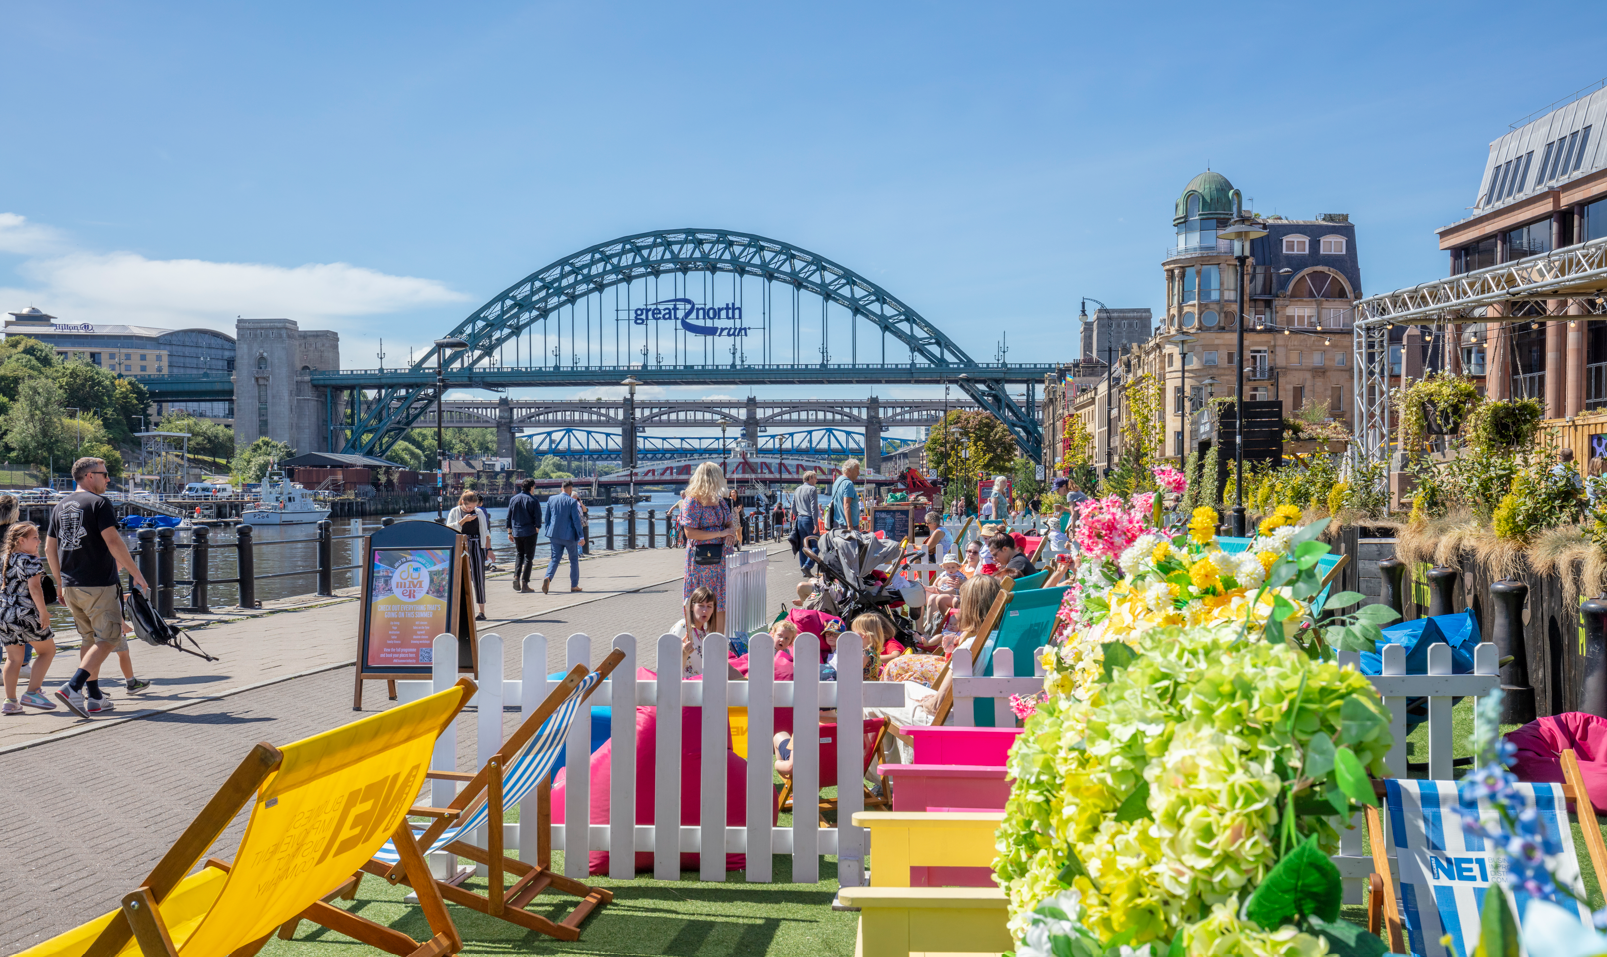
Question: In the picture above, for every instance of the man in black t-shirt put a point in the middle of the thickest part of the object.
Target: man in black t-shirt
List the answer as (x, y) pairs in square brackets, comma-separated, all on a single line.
[(84, 552), (1008, 556)]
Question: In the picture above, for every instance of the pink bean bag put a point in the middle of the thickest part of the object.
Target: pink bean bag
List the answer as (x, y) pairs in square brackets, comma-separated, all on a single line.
[(736, 790), (782, 665), (1540, 744)]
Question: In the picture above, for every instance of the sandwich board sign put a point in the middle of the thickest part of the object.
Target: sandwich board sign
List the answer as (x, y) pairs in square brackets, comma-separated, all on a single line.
[(415, 586)]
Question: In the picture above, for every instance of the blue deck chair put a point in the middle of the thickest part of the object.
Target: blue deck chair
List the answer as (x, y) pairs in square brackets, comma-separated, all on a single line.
[(1025, 627), (1034, 580), (1445, 872), (526, 761), (1230, 544)]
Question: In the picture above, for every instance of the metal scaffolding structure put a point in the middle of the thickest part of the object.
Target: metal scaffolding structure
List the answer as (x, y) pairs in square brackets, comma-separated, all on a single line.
[(1576, 273)]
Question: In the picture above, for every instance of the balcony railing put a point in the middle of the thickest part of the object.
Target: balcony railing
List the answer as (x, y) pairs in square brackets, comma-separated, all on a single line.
[(1219, 248)]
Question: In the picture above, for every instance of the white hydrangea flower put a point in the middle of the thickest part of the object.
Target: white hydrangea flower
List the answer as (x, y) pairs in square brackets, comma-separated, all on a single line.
[(1158, 596), (1140, 554), (1247, 569), (1226, 562)]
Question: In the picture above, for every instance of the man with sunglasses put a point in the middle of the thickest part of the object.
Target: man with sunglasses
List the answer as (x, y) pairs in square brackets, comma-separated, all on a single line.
[(84, 551)]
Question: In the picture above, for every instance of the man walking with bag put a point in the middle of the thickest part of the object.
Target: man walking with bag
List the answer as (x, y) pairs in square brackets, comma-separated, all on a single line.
[(524, 526), (84, 552), (806, 512), (845, 497), (565, 531)]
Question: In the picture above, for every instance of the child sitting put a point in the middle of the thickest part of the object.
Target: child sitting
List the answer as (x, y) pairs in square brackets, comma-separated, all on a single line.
[(805, 589), (951, 578)]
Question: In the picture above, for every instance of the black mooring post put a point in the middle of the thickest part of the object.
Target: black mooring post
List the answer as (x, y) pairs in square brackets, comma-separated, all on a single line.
[(1442, 590), (1506, 632), (146, 557), (200, 573), (608, 525), (652, 528), (326, 558), (1593, 690), (245, 563), (1392, 574), (164, 572)]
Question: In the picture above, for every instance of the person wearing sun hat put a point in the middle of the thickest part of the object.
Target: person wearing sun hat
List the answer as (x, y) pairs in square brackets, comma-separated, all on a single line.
[(951, 578)]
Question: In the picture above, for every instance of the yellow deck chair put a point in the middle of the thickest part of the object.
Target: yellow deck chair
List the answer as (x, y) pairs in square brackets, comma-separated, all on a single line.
[(320, 807)]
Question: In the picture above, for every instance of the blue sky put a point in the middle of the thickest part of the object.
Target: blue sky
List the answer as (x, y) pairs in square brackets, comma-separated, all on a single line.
[(382, 169)]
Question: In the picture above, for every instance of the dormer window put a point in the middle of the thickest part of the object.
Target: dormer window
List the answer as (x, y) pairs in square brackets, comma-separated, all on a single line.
[(1296, 245), (1194, 206), (1333, 245)]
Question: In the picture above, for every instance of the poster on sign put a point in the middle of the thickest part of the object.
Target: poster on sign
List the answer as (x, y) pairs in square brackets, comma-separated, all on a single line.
[(415, 587)]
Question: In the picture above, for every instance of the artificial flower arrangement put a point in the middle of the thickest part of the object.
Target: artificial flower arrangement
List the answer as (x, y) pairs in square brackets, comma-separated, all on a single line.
[(1196, 748)]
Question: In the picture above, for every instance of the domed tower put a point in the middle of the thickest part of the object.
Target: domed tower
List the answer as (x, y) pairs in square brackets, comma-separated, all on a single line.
[(1201, 286)]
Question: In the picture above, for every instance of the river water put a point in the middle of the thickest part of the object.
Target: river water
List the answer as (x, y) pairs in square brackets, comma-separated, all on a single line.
[(293, 548)]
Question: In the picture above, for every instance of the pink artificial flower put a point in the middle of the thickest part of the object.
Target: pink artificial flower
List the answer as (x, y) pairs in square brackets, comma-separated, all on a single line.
[(1170, 479), (1105, 527), (1023, 708), (1144, 504)]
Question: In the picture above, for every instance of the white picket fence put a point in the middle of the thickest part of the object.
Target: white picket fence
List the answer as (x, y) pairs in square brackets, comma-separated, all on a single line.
[(667, 839), (968, 687), (747, 591)]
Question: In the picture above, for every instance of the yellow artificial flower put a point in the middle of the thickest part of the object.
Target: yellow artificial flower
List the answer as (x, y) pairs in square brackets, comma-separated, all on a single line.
[(1281, 516), (1162, 552), (1202, 524), (1205, 574), (1267, 559)]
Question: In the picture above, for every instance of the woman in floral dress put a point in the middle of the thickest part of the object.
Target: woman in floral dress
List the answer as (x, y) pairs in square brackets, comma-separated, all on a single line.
[(706, 519)]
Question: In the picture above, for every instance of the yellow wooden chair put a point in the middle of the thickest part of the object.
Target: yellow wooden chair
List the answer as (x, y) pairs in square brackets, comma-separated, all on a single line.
[(319, 808)]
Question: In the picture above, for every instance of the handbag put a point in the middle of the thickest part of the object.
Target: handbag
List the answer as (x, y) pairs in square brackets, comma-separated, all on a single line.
[(711, 552)]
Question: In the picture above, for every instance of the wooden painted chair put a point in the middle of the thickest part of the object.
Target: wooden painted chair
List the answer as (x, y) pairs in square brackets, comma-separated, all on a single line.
[(874, 729), (931, 849), (1443, 873), (319, 808), (526, 761), (945, 702)]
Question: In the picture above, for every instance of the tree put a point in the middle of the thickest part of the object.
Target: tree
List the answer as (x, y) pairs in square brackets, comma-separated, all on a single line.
[(407, 455), (965, 445), (252, 463), (206, 438), (26, 346), (551, 467), (1075, 442), (132, 402), (85, 387), (1142, 431), (1024, 479), (107, 454), (33, 424)]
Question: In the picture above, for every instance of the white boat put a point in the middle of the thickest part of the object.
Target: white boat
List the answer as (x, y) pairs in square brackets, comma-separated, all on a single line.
[(284, 503)]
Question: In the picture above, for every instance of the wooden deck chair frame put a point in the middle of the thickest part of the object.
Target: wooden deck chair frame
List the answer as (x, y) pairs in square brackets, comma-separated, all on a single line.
[(504, 900), (1383, 910), (945, 704), (883, 800), (139, 917)]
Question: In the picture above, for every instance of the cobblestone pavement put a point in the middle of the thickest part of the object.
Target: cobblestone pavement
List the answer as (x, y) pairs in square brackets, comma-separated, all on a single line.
[(91, 813)]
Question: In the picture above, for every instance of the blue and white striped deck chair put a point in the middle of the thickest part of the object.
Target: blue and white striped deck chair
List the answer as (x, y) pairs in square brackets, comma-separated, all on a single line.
[(526, 761), (1445, 871)]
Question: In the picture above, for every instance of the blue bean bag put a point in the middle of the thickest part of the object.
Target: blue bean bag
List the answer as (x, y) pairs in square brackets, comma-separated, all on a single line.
[(1460, 631)]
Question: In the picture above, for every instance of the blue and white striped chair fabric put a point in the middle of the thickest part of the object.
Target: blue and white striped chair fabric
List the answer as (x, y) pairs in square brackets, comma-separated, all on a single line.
[(535, 762), (1445, 871)]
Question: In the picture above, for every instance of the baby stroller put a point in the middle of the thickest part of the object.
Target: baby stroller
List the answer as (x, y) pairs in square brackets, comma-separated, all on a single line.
[(846, 561)]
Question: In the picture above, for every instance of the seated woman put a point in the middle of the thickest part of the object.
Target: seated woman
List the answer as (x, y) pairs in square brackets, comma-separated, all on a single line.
[(976, 598)]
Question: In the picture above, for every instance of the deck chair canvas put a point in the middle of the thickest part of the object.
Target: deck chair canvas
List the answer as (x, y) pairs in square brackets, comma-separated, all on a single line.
[(945, 702), (873, 731), (1025, 627), (525, 762), (320, 807), (1444, 872)]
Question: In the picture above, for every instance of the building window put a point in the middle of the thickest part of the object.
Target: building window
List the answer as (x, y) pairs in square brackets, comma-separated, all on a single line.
[(1473, 360), (1394, 360), (1531, 240), (1258, 393), (1523, 175), (1333, 245), (127, 356), (1336, 401), (1188, 284), (262, 409), (1210, 358), (1295, 245), (1335, 318), (1208, 319), (1316, 359), (1579, 158), (1233, 358), (1168, 360), (142, 357), (1188, 320), (1295, 357), (1210, 283), (1299, 398), (1302, 317), (1479, 255), (142, 368), (1319, 284), (1339, 358)]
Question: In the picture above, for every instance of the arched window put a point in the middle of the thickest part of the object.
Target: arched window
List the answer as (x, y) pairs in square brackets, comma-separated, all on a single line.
[(1194, 206), (262, 361), (1333, 246), (1319, 284), (1296, 245), (1208, 319)]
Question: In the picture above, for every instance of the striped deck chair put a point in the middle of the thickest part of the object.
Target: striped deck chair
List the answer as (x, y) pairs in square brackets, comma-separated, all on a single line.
[(1445, 872), (319, 807), (526, 761)]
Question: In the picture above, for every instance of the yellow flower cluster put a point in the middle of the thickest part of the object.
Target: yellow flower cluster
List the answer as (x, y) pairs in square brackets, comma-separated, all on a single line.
[(1202, 525), (1162, 552), (1281, 516), (1205, 574)]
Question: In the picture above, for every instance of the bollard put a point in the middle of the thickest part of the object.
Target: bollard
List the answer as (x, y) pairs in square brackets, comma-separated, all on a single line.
[(630, 533), (245, 563), (1506, 631), (1593, 694), (1442, 590), (200, 570), (147, 559), (387, 521), (608, 519), (326, 558), (669, 530), (1392, 573), (652, 530), (164, 572)]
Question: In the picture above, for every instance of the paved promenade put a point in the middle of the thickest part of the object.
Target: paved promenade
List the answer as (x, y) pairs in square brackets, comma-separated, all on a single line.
[(94, 803)]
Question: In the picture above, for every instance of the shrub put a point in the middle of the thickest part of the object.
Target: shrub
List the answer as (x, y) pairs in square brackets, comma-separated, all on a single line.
[(1336, 497)]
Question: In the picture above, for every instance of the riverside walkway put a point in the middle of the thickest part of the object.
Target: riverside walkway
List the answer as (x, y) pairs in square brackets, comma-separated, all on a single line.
[(94, 802)]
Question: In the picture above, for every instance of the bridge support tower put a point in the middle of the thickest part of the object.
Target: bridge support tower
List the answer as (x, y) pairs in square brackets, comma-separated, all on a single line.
[(750, 423), (505, 446), (873, 434)]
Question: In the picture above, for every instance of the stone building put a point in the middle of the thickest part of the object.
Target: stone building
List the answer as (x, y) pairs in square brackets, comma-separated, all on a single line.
[(1302, 281), (273, 391)]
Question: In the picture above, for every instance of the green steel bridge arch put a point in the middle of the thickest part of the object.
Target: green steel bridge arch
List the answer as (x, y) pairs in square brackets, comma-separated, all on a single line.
[(404, 397)]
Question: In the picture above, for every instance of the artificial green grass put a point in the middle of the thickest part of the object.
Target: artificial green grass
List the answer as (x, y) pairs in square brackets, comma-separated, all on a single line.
[(684, 917)]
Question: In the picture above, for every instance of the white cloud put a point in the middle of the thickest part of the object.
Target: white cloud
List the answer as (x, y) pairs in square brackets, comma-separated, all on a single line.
[(618, 392), (125, 287), (17, 235)]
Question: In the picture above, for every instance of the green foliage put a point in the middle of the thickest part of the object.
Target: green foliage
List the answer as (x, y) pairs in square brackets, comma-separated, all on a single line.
[(550, 467), (1542, 497), (33, 425), (1304, 884), (109, 454), (253, 462), (1142, 431), (86, 387), (41, 356), (131, 402), (1506, 426), (1024, 479), (1453, 398), (1337, 496), (965, 445), (407, 455), (1498, 928), (206, 438)]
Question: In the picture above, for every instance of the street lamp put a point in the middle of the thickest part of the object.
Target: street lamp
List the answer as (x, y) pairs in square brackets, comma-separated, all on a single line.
[(441, 345), (1241, 231), (630, 384)]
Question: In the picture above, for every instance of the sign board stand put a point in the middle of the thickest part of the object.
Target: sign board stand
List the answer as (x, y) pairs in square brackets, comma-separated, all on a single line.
[(896, 522), (415, 586)]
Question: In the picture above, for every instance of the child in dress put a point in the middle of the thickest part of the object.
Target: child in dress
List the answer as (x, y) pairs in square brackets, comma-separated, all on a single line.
[(693, 628), (24, 620)]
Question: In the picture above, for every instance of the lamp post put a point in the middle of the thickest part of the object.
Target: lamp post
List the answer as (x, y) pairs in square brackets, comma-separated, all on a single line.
[(441, 345), (1241, 231), (630, 384), (725, 457)]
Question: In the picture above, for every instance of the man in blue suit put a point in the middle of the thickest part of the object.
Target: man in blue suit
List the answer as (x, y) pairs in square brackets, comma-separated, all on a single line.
[(565, 531)]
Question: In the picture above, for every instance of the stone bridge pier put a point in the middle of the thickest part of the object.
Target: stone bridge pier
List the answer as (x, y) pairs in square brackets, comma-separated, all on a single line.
[(873, 434), (505, 447)]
